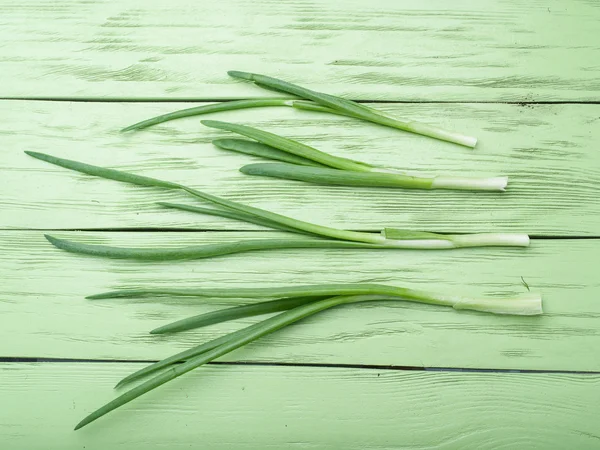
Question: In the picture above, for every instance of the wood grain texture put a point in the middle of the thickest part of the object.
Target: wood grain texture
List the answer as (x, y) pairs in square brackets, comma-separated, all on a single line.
[(548, 151), (43, 312), (492, 50), (224, 407)]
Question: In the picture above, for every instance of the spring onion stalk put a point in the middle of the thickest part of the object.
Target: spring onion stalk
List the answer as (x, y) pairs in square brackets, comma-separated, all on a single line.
[(528, 304), (261, 329), (355, 237), (356, 109), (236, 312), (350, 173), (290, 146), (445, 242), (127, 177), (522, 305), (327, 176), (262, 150)]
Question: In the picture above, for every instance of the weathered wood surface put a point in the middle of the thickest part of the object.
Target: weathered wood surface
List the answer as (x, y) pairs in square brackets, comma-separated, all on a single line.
[(492, 50), (548, 151), (464, 60), (44, 313), (303, 408)]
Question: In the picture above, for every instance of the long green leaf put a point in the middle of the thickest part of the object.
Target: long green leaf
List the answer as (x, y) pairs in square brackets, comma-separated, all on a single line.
[(263, 151), (330, 289), (290, 146), (236, 312), (186, 354), (355, 109), (127, 177), (206, 109), (200, 251)]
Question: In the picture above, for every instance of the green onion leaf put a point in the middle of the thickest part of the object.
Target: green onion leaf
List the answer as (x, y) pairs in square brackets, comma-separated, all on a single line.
[(200, 251), (236, 312), (290, 146), (262, 150), (206, 109)]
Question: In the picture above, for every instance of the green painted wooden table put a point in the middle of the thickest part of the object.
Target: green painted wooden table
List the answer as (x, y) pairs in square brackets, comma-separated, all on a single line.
[(524, 77)]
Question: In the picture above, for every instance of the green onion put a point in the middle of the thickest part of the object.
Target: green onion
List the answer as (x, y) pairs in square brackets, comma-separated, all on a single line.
[(526, 304), (322, 175), (228, 248), (262, 150), (236, 312), (529, 305), (321, 103), (432, 241), (352, 173), (356, 109)]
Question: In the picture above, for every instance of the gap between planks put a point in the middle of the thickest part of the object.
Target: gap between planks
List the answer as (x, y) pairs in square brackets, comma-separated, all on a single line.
[(215, 230), (218, 100), (310, 365)]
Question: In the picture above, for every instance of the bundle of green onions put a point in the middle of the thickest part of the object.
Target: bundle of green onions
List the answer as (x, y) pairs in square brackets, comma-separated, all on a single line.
[(313, 101), (298, 302), (389, 238), (305, 163)]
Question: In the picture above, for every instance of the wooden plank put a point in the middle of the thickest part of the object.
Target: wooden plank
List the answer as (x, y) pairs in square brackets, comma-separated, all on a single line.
[(492, 50), (44, 313), (245, 407), (549, 152)]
